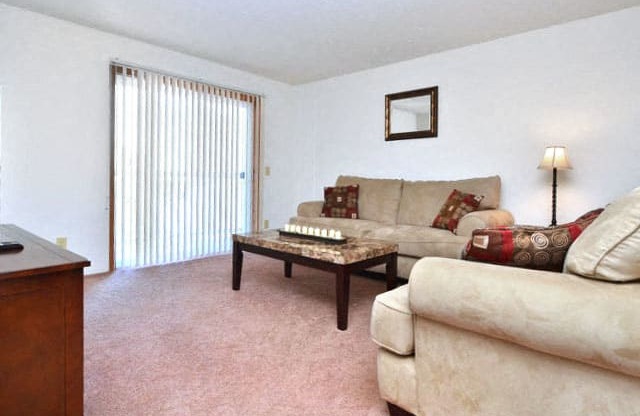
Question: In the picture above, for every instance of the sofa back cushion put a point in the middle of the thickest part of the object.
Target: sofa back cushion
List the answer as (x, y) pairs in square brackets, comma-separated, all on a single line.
[(378, 199), (610, 248), (421, 200)]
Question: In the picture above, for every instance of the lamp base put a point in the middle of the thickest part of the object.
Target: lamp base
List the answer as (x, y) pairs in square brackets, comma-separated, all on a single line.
[(554, 186)]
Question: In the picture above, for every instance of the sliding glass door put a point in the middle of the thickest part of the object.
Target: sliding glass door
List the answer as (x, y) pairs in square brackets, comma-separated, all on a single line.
[(185, 158)]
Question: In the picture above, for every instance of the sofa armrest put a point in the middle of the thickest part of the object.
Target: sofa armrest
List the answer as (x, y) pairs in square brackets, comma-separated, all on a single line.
[(556, 313), (310, 208), (489, 218)]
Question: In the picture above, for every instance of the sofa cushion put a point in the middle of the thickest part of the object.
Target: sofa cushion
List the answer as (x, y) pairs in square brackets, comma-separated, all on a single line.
[(542, 248), (457, 205), (610, 248), (392, 321), (340, 202), (421, 200), (419, 242), (378, 198), (348, 227)]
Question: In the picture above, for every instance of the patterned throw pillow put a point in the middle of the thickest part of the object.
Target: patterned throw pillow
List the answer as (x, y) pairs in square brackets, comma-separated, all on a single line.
[(340, 202), (542, 248), (455, 207)]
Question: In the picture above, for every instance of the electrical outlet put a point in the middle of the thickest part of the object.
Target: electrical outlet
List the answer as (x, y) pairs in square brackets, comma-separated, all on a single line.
[(265, 224), (267, 171), (61, 242)]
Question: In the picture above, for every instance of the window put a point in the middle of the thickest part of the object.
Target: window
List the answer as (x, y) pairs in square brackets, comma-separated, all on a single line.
[(185, 167)]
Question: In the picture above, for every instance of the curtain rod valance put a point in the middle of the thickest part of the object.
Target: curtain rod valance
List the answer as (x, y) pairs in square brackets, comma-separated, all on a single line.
[(132, 69)]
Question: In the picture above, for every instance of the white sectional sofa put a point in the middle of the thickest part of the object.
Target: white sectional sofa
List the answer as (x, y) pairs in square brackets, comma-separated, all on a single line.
[(465, 338), (402, 211)]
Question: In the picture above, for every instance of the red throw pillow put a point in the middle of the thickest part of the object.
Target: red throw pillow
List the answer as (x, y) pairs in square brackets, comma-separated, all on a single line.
[(542, 248), (457, 205), (340, 202)]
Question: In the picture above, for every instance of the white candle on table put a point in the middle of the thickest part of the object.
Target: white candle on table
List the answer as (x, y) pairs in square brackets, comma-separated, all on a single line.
[(338, 234)]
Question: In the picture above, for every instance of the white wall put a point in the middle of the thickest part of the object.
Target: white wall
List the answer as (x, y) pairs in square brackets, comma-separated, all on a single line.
[(500, 104), (55, 138)]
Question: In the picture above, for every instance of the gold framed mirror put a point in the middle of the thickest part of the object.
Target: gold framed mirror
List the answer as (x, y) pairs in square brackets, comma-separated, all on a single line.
[(411, 114)]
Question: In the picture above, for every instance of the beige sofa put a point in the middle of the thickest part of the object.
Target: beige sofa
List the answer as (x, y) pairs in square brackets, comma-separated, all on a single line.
[(402, 211), (464, 338)]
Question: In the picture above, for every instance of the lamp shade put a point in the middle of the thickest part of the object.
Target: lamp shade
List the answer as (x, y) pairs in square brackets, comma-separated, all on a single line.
[(555, 157)]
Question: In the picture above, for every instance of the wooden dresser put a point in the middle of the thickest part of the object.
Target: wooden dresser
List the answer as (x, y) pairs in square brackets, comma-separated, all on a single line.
[(41, 327)]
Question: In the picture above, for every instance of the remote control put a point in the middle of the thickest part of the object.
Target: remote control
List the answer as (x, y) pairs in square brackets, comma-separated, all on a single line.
[(10, 246)]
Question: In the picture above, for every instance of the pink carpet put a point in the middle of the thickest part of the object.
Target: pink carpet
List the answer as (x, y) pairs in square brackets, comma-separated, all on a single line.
[(176, 340)]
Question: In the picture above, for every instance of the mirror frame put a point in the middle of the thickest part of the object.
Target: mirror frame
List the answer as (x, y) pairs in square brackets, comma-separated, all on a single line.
[(432, 93)]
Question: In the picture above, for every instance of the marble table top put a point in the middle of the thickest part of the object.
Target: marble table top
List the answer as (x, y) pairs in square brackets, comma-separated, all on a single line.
[(354, 250)]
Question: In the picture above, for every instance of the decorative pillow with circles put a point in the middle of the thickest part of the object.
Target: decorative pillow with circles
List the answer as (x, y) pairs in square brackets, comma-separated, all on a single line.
[(340, 202), (542, 248)]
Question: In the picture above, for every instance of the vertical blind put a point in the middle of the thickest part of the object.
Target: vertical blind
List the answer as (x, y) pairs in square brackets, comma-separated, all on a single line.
[(185, 167)]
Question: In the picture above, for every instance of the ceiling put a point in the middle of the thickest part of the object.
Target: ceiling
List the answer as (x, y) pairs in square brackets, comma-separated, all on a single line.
[(298, 41)]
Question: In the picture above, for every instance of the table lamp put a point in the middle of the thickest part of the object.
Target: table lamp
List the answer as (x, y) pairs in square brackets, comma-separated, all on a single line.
[(555, 157)]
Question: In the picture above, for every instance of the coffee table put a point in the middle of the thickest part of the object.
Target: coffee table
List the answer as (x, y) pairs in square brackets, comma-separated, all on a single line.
[(355, 255)]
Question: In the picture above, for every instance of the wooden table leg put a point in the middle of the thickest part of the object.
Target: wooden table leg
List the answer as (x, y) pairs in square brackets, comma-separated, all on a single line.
[(342, 297), (392, 272), (237, 265), (287, 269)]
